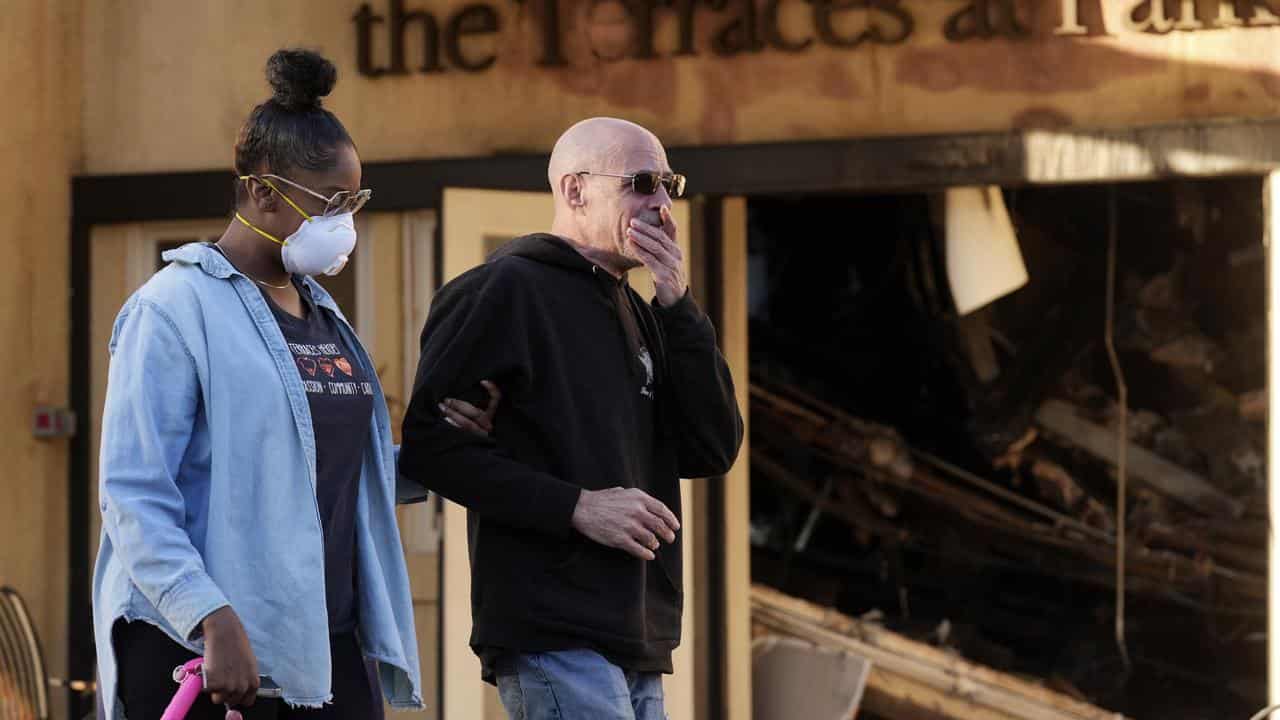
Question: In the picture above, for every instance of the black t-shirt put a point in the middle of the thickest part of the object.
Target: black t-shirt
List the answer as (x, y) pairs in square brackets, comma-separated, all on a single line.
[(341, 400)]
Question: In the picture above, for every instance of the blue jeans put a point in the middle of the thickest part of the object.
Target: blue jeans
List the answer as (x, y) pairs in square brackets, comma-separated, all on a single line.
[(577, 685)]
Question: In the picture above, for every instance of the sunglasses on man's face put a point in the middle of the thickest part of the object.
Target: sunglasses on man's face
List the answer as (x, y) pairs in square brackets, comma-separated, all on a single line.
[(647, 183)]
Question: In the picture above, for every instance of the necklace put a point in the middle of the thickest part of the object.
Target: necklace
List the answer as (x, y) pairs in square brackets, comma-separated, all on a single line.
[(267, 284), (242, 272)]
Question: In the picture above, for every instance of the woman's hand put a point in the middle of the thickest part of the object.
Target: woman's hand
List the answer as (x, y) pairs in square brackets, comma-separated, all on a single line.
[(230, 667), (464, 415)]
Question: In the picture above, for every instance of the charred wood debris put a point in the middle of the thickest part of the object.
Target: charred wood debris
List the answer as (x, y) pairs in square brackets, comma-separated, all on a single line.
[(968, 499)]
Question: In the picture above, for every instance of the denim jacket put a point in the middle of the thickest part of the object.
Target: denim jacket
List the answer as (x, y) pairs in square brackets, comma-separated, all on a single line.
[(207, 488)]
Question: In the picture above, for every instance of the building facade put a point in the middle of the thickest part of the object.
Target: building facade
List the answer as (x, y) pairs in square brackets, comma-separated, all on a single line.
[(122, 117)]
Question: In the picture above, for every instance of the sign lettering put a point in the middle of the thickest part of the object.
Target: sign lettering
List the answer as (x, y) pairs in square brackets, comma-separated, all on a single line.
[(452, 43)]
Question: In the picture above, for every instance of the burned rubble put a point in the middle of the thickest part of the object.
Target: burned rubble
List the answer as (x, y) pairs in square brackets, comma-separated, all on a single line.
[(954, 477)]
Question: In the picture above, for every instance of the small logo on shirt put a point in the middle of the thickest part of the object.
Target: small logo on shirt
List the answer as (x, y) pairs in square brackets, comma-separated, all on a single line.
[(647, 389), (333, 373), (343, 365)]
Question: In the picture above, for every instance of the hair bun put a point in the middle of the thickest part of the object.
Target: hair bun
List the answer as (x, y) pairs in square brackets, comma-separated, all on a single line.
[(299, 78)]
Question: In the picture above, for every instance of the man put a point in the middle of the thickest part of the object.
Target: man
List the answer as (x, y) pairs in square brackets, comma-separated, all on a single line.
[(574, 503)]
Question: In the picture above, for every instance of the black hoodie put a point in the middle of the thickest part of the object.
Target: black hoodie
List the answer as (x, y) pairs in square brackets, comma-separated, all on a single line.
[(583, 407)]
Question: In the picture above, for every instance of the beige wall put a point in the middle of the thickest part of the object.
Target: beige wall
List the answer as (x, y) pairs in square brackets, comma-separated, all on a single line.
[(168, 83), (39, 71)]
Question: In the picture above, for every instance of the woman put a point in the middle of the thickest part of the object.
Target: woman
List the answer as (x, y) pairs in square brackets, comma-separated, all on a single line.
[(247, 473)]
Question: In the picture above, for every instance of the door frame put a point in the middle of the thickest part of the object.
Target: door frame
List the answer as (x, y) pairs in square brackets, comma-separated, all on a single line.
[(889, 164)]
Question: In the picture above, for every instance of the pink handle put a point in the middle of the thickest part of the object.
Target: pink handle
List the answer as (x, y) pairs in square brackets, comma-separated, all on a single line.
[(191, 683), (190, 679)]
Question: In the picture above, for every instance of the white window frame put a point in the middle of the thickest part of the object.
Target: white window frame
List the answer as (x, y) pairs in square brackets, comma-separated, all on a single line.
[(145, 239), (420, 526)]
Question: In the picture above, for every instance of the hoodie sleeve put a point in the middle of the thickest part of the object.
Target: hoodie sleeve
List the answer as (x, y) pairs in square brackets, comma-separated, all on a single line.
[(475, 331), (701, 408)]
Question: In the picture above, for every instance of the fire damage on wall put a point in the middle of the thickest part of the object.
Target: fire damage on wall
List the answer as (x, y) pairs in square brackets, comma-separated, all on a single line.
[(950, 481)]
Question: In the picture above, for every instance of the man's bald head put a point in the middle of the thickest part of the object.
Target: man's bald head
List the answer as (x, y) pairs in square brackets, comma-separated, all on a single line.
[(593, 211), (599, 144)]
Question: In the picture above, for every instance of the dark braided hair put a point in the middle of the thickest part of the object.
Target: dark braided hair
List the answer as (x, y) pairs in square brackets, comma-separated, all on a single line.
[(291, 130)]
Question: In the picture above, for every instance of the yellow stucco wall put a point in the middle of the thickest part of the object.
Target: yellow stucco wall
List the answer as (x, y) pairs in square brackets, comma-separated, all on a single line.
[(168, 83), (39, 131)]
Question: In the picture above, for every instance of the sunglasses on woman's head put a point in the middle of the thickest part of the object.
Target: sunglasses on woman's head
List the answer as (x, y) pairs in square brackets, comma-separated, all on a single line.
[(647, 183), (343, 201)]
